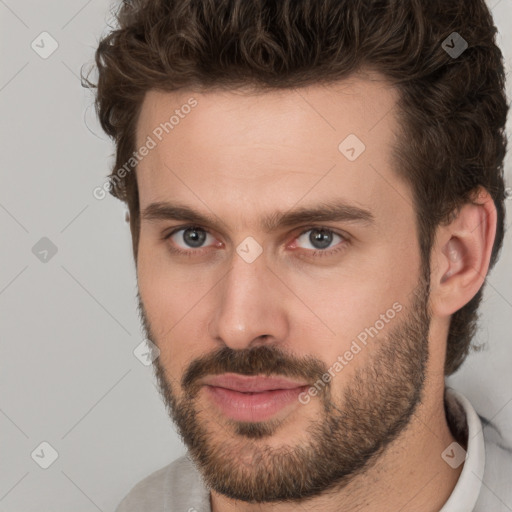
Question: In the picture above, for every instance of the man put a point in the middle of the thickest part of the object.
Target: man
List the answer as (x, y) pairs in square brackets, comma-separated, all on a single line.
[(315, 194)]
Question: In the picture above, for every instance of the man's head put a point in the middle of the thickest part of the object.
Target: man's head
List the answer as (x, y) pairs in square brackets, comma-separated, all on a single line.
[(339, 172)]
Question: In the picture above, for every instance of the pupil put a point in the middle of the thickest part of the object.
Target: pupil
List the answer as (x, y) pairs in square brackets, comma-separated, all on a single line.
[(194, 237), (322, 238)]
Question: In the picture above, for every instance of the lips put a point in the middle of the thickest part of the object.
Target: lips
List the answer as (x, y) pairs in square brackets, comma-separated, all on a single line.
[(252, 398), (251, 384)]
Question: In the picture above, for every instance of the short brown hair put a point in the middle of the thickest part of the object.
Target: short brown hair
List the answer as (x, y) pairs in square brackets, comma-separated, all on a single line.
[(452, 109)]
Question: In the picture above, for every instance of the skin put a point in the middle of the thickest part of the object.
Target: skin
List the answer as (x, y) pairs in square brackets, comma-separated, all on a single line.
[(239, 157)]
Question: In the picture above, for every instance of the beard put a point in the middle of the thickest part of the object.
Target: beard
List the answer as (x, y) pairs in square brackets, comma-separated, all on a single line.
[(346, 438)]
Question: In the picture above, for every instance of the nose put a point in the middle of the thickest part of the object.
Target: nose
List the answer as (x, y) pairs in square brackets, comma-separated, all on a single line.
[(249, 308)]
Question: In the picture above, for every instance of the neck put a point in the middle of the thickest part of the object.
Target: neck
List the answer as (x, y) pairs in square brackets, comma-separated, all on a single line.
[(409, 475)]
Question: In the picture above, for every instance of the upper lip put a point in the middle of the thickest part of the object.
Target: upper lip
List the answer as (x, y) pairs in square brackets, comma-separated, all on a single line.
[(254, 384)]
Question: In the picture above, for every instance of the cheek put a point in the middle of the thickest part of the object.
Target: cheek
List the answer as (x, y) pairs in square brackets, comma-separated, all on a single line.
[(354, 308), (169, 305), (350, 298), (167, 291)]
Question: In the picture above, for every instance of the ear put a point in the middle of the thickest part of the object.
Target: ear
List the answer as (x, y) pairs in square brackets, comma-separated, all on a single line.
[(461, 254)]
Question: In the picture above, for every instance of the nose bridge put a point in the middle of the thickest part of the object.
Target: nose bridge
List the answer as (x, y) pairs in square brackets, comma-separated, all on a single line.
[(247, 310)]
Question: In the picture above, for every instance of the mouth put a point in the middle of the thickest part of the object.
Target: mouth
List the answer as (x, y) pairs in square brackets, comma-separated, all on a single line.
[(251, 384), (252, 398)]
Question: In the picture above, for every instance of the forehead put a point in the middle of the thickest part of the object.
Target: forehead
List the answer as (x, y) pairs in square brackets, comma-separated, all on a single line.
[(356, 104), (257, 149)]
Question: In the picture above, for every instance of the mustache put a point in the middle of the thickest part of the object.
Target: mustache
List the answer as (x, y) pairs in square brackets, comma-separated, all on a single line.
[(262, 360)]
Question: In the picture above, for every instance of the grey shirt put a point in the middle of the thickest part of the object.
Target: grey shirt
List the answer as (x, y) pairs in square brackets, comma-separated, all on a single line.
[(485, 483)]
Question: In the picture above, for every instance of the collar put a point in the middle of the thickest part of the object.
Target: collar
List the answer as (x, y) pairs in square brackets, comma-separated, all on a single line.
[(467, 429)]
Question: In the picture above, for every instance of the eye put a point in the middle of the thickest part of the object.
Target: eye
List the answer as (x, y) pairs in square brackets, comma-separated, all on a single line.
[(193, 237), (320, 239)]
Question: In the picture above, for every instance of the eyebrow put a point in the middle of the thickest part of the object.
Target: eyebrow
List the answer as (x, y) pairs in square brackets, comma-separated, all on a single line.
[(330, 211)]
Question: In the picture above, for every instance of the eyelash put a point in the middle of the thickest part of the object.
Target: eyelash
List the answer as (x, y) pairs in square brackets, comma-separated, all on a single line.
[(314, 253)]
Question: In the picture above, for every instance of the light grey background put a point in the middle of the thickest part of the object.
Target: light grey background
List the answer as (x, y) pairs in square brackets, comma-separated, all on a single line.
[(69, 326)]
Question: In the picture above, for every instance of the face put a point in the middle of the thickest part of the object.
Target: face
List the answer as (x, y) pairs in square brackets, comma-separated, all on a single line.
[(272, 245)]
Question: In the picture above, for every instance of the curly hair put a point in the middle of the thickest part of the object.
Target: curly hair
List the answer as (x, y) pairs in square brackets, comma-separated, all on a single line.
[(452, 109)]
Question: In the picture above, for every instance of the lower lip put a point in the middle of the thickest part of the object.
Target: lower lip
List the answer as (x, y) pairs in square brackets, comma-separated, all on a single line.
[(253, 407)]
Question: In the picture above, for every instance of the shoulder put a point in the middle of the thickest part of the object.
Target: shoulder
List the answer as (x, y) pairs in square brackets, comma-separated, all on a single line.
[(177, 486), (487, 471), (496, 493)]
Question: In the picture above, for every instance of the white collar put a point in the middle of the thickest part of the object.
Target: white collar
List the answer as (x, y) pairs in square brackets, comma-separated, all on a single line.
[(465, 493)]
